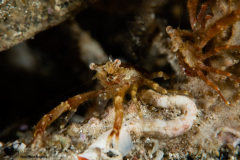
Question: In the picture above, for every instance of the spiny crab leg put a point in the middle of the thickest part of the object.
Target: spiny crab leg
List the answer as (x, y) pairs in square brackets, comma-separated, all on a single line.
[(218, 71), (217, 51), (192, 9), (219, 26), (197, 22), (162, 90), (201, 18), (118, 100), (134, 98), (211, 84), (70, 105), (155, 86)]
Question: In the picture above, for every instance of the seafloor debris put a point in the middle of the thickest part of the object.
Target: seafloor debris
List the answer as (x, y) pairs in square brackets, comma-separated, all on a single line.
[(11, 150), (228, 136)]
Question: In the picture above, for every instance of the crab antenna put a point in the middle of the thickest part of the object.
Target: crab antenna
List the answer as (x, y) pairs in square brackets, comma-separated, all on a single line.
[(110, 58)]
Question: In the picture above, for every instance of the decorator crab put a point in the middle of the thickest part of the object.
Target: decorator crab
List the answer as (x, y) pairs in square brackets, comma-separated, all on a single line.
[(117, 80), (215, 20)]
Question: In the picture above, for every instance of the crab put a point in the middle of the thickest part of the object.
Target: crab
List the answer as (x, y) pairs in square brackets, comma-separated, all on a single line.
[(194, 47), (117, 79)]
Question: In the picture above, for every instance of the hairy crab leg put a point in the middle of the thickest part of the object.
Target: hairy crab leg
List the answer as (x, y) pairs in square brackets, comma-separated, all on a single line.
[(155, 86), (218, 71), (185, 49), (67, 118), (192, 9), (70, 105), (161, 90), (219, 26), (175, 38), (211, 84), (185, 33), (118, 100), (178, 92), (200, 18), (134, 98), (217, 50)]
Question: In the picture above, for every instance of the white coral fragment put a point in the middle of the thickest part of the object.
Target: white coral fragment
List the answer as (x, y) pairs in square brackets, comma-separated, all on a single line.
[(168, 128), (98, 148)]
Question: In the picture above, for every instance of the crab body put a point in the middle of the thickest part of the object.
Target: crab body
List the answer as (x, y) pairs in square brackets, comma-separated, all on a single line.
[(115, 74)]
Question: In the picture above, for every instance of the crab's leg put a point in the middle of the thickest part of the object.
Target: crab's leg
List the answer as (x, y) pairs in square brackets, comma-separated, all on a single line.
[(199, 21), (211, 84), (134, 98), (161, 90), (219, 26), (118, 100), (67, 118), (178, 92), (217, 50), (155, 86), (218, 71), (70, 105), (185, 49), (200, 18), (185, 33), (192, 9), (159, 75)]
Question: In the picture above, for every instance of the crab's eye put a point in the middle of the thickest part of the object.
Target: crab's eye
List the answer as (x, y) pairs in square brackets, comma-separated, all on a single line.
[(110, 78), (92, 66), (109, 75), (117, 62)]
